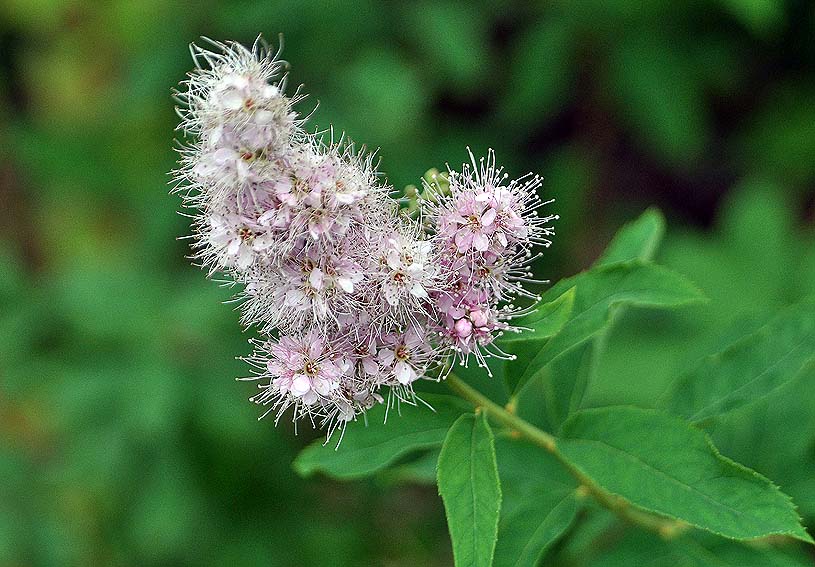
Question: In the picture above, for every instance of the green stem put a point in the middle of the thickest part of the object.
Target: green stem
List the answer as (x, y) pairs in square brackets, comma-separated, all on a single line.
[(501, 415), (618, 505)]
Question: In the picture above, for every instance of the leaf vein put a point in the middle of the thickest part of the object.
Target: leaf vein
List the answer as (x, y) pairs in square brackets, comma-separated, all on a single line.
[(659, 472)]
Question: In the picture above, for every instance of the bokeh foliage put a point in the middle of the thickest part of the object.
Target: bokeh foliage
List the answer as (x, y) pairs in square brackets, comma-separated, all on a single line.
[(124, 439)]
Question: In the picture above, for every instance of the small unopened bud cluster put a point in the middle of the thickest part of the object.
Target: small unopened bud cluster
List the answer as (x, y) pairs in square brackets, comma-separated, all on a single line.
[(353, 300)]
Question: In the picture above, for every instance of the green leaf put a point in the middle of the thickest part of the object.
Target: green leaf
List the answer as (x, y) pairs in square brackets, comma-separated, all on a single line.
[(749, 370), (421, 470), (760, 437), (566, 379), (645, 549), (662, 465), (543, 323), (539, 502), (471, 490), (558, 391), (597, 291), (366, 449), (723, 553), (595, 525), (637, 240)]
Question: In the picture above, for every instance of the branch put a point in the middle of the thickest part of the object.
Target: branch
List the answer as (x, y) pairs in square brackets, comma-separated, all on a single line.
[(665, 527)]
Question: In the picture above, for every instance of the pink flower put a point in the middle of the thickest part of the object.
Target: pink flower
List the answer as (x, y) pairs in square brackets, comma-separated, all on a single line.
[(407, 356), (350, 295), (469, 223), (303, 368), (317, 282)]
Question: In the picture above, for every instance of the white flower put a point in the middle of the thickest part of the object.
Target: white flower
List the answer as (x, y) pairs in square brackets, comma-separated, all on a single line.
[(407, 271), (225, 167), (237, 241), (237, 100)]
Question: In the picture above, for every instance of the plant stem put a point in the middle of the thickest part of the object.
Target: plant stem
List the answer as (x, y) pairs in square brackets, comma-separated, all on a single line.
[(665, 527), (501, 415)]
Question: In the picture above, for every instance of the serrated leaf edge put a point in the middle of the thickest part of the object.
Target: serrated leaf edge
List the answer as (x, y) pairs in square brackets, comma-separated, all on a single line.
[(806, 537), (494, 462)]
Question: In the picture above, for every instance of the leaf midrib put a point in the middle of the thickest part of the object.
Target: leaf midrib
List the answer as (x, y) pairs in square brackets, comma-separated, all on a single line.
[(612, 299), (472, 489), (647, 465), (776, 363)]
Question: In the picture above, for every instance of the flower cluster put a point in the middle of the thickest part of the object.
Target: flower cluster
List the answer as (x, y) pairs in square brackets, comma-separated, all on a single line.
[(353, 299), (485, 229)]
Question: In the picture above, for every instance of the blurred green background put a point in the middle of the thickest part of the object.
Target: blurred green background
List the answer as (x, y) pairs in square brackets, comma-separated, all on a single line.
[(124, 439)]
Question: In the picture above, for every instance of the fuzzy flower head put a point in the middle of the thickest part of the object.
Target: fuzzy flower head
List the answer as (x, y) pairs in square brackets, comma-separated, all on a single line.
[(235, 99), (321, 197), (485, 214), (485, 227), (307, 372), (354, 301), (236, 241), (314, 286)]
